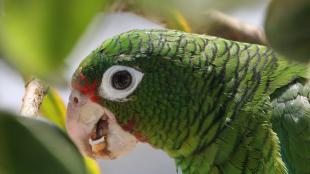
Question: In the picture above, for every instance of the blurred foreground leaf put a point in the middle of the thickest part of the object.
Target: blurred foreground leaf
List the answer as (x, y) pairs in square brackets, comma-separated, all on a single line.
[(30, 146), (287, 28), (37, 35), (92, 166), (53, 108)]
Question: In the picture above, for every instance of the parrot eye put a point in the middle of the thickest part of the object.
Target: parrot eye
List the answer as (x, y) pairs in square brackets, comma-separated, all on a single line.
[(118, 82), (121, 80)]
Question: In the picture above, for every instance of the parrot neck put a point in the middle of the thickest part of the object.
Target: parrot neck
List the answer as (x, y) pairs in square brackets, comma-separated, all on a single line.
[(211, 145), (224, 149)]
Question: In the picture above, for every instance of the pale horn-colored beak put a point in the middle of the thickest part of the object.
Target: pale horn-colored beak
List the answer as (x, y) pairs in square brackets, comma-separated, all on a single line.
[(82, 116), (94, 129)]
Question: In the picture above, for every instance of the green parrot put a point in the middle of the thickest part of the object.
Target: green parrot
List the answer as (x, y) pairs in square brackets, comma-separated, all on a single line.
[(213, 105)]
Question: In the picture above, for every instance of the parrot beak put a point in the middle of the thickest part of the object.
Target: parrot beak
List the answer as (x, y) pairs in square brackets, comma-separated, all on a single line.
[(94, 129)]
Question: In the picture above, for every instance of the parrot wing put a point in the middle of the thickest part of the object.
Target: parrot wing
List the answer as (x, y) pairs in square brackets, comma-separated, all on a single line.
[(291, 121)]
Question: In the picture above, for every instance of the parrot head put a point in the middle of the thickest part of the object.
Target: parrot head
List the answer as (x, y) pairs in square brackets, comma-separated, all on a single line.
[(126, 92)]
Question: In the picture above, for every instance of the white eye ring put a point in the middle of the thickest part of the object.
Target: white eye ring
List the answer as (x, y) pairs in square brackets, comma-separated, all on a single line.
[(107, 90)]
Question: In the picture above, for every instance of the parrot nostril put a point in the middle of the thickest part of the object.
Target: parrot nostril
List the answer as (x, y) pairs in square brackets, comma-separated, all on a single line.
[(75, 100)]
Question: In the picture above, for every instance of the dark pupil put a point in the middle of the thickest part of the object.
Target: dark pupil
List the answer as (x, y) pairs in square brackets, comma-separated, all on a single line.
[(121, 80)]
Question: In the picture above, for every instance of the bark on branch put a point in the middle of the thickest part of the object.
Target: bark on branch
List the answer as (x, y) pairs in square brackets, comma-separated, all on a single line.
[(35, 91), (222, 25)]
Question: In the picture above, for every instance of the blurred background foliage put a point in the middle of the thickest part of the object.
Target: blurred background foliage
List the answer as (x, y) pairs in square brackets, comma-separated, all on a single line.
[(36, 37), (194, 11), (287, 27), (45, 32)]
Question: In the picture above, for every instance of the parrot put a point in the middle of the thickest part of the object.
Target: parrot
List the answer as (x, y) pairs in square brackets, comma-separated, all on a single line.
[(213, 105)]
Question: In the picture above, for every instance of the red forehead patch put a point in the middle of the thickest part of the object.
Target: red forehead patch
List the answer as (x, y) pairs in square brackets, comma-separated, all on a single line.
[(86, 87)]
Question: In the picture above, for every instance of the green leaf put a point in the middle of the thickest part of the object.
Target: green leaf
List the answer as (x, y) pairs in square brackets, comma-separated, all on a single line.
[(53, 108), (92, 166), (37, 35), (288, 28), (34, 147)]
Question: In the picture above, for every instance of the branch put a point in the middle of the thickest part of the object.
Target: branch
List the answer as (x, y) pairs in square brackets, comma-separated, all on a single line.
[(210, 22), (35, 91), (219, 24)]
